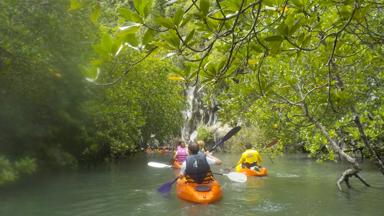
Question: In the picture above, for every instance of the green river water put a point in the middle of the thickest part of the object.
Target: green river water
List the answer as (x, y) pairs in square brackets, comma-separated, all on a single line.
[(295, 186)]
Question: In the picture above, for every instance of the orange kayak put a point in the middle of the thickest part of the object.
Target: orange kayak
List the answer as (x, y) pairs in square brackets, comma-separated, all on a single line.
[(176, 164), (198, 193), (250, 172)]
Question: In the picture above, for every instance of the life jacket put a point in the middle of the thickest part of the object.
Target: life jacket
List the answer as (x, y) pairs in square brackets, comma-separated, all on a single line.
[(181, 154), (197, 169)]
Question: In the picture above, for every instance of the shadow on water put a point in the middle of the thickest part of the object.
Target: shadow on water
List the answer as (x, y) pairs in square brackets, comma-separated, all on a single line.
[(295, 186)]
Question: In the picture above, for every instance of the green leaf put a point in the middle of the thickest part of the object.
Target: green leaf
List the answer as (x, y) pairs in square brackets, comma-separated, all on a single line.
[(129, 28), (221, 64), (297, 3), (210, 69), (283, 29), (361, 13), (296, 25), (143, 6), (306, 40), (274, 38), (185, 20), (104, 47), (189, 36), (166, 22), (130, 15), (178, 17), (138, 4), (131, 39), (204, 7), (148, 36), (147, 8), (172, 39)]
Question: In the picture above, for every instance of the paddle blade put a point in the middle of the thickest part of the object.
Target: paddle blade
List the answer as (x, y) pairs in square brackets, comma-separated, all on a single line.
[(158, 165), (272, 143), (232, 132), (237, 177), (165, 188)]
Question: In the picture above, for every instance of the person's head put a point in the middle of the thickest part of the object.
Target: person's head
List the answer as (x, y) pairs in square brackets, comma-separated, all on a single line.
[(193, 148), (201, 144), (181, 143), (248, 146)]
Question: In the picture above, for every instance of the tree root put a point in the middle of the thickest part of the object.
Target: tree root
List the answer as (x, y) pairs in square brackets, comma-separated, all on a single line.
[(346, 175)]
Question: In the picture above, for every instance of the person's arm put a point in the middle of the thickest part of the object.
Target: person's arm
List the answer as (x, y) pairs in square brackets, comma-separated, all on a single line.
[(214, 160), (241, 160), (182, 169)]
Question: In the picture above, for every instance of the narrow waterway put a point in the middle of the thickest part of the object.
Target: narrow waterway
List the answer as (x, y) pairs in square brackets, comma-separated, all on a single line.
[(295, 186)]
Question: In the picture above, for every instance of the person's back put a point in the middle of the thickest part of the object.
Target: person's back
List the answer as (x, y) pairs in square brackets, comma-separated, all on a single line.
[(197, 166), (250, 157), (181, 152)]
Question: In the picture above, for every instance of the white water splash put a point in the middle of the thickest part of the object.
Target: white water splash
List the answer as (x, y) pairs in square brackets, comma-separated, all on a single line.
[(287, 175)]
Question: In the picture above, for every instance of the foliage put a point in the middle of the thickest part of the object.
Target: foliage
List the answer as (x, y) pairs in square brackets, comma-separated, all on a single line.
[(144, 104), (205, 134), (42, 49), (290, 67), (51, 109), (253, 135), (84, 80), (11, 171)]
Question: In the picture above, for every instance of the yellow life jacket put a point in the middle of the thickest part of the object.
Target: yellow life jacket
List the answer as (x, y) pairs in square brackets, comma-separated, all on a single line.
[(251, 156)]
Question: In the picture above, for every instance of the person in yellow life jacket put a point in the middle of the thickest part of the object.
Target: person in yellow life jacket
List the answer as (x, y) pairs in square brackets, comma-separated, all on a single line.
[(251, 158), (197, 166)]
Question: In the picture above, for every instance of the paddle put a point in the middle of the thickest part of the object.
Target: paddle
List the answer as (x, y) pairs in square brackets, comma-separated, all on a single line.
[(158, 165), (166, 187), (230, 133), (234, 176)]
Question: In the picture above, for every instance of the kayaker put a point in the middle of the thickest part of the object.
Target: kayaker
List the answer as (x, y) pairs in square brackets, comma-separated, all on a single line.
[(250, 159), (201, 146), (197, 166), (181, 152)]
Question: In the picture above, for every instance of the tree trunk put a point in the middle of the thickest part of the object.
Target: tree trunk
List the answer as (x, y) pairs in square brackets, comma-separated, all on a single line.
[(372, 152), (354, 170)]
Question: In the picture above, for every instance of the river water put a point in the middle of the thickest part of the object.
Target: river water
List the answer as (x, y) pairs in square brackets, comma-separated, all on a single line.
[(295, 185)]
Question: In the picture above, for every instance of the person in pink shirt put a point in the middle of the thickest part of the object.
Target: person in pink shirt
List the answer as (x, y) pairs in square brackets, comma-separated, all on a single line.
[(181, 154)]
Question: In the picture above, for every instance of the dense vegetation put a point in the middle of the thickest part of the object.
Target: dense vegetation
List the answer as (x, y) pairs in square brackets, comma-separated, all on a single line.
[(50, 115), (306, 72)]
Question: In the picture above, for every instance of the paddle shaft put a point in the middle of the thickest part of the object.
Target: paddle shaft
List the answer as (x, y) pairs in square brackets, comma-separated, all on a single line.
[(232, 132)]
